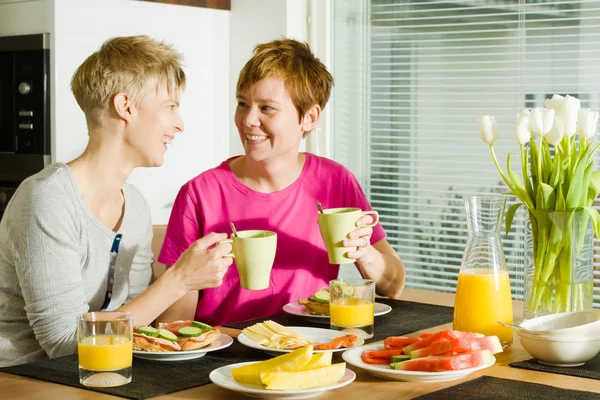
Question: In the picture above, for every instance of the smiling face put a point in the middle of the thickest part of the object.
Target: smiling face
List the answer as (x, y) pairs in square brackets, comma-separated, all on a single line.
[(268, 121), (154, 125)]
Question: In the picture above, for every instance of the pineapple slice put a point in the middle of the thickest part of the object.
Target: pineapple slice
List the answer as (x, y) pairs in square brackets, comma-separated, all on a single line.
[(296, 380), (293, 361), (318, 360)]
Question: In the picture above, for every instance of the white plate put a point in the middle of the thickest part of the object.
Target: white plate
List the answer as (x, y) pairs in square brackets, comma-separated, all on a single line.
[(298, 309), (352, 357), (315, 335), (222, 342), (222, 377)]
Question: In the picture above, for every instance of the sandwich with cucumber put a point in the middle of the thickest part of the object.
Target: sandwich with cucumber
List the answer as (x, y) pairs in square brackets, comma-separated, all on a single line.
[(317, 303), (174, 336)]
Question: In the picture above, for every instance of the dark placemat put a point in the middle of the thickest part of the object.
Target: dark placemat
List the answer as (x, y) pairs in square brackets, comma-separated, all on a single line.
[(405, 317), (488, 387), (591, 369), (149, 378)]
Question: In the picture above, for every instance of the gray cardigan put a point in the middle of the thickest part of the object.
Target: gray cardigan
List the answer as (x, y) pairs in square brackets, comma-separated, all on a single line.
[(54, 262)]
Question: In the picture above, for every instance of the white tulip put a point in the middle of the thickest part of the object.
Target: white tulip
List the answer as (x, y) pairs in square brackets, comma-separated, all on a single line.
[(587, 122), (541, 120), (566, 110), (556, 133), (522, 131), (488, 129)]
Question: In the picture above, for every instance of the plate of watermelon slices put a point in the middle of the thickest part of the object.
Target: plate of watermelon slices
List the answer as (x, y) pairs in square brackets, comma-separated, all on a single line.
[(480, 359)]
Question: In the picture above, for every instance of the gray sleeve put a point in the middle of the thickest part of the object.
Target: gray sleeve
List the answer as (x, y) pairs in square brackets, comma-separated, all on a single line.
[(44, 242), (140, 274)]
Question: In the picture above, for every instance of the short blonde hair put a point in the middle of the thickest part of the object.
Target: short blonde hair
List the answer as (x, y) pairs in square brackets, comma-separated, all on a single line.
[(124, 65), (306, 79)]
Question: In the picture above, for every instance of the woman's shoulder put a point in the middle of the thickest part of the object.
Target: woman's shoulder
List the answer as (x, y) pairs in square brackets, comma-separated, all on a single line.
[(327, 167), (53, 183), (210, 178)]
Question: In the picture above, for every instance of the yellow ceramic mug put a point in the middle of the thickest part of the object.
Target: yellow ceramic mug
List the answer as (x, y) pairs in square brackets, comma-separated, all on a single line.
[(335, 225), (254, 253)]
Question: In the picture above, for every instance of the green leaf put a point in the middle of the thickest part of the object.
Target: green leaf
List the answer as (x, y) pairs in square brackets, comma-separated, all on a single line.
[(594, 188), (518, 184), (561, 205), (575, 186), (556, 170), (585, 184), (533, 167), (546, 198), (595, 219), (526, 180), (510, 214), (547, 163)]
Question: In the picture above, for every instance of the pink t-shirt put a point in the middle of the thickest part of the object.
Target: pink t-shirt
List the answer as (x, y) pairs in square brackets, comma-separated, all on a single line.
[(209, 201)]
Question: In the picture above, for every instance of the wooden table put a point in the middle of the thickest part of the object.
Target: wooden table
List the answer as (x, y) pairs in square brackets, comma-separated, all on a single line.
[(365, 386)]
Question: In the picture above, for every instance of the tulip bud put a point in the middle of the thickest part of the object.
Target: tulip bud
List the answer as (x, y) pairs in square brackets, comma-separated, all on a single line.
[(556, 133), (541, 120), (566, 110), (586, 124), (488, 129), (522, 132)]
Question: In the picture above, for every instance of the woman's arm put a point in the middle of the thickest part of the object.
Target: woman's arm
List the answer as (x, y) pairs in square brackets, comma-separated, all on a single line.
[(182, 309), (201, 266), (381, 263)]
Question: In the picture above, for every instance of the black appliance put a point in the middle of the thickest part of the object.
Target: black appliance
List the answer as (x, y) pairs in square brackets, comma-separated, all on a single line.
[(24, 110)]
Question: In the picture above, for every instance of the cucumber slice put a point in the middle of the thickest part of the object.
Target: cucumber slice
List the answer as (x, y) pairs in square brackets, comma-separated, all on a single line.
[(400, 358), (148, 331), (344, 289), (203, 327), (189, 331), (167, 335), (315, 300), (322, 296)]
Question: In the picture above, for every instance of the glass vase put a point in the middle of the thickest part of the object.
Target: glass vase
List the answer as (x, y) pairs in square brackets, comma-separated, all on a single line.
[(559, 263), (483, 295)]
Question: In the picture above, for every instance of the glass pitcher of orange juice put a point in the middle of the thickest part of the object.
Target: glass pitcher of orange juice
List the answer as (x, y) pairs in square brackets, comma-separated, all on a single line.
[(483, 294)]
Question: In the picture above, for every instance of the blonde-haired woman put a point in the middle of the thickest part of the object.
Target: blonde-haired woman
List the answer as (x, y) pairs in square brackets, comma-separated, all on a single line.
[(76, 237)]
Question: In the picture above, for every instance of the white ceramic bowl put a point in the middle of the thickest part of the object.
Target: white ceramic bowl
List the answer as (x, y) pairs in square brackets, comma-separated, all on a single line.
[(581, 324), (560, 351)]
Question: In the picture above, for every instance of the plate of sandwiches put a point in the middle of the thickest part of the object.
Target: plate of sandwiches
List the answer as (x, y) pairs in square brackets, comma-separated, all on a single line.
[(316, 307), (276, 339), (178, 341)]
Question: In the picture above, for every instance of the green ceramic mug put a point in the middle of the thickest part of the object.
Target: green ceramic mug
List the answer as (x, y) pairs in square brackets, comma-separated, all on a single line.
[(254, 253), (335, 225)]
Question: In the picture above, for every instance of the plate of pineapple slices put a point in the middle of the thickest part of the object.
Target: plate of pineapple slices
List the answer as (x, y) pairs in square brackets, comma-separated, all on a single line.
[(297, 375)]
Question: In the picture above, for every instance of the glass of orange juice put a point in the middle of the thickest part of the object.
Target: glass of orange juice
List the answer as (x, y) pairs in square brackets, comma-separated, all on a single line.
[(352, 306), (104, 345)]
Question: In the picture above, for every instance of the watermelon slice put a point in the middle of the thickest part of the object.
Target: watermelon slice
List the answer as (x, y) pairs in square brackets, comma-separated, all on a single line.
[(442, 335), (398, 342), (445, 347), (446, 363)]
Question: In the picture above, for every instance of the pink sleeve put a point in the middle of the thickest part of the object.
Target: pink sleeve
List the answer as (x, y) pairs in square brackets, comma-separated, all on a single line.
[(355, 197), (184, 227)]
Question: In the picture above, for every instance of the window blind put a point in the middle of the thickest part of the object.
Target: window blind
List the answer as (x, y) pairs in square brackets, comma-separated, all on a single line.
[(412, 79)]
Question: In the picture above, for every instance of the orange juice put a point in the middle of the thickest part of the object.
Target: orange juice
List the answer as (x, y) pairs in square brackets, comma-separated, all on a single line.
[(352, 312), (105, 352), (483, 298)]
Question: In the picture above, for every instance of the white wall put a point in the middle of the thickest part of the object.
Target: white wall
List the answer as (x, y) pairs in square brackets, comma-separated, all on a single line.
[(201, 34), (216, 44), (78, 27), (253, 22)]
